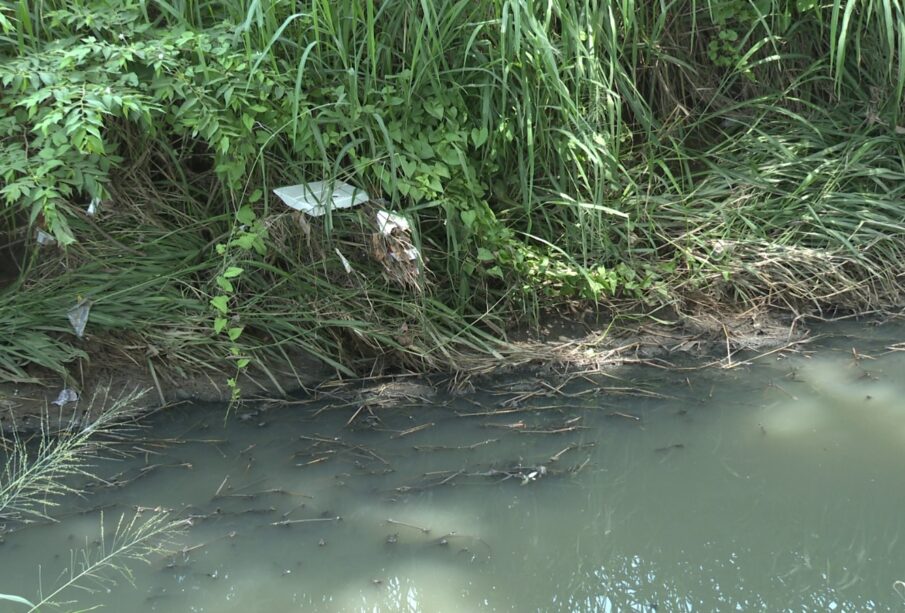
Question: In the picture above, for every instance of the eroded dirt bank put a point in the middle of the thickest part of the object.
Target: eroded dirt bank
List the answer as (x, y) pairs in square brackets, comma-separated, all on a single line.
[(573, 342)]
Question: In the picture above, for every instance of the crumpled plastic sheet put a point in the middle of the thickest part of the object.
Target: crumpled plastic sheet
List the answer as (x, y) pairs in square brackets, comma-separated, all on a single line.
[(78, 317), (66, 396)]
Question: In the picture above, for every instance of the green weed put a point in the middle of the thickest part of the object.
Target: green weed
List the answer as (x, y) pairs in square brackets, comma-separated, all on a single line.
[(545, 152)]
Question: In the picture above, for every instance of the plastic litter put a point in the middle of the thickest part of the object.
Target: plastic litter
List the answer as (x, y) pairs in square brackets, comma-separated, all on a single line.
[(315, 198), (388, 222), (392, 246), (406, 255), (78, 317), (66, 395), (92, 207), (44, 238), (344, 261)]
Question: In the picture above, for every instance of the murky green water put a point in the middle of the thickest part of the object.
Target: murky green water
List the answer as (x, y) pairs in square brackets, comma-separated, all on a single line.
[(778, 486)]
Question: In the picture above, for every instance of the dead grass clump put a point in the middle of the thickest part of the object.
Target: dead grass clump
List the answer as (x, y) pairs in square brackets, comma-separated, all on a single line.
[(801, 278)]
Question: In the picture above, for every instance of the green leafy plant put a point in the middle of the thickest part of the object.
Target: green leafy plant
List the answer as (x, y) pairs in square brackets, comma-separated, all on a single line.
[(249, 236), (544, 153)]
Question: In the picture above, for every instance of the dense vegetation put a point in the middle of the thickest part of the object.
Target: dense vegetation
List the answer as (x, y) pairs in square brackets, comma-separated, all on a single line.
[(543, 152)]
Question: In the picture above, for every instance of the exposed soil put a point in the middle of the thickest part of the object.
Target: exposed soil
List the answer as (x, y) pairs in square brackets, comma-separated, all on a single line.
[(579, 341), (24, 406)]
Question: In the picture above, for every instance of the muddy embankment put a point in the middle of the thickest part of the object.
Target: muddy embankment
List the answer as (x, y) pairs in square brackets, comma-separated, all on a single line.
[(579, 342)]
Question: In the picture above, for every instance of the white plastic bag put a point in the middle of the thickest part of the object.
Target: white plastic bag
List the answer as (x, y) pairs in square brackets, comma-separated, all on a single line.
[(315, 198)]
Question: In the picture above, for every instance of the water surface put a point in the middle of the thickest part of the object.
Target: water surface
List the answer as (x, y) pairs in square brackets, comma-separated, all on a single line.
[(775, 486)]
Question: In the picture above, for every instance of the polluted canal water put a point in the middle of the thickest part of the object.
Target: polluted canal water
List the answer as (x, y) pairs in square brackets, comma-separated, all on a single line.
[(776, 485)]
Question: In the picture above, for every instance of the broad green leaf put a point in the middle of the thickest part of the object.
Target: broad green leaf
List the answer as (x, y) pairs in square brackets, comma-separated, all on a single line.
[(479, 137), (468, 218), (434, 108), (246, 241), (225, 285), (219, 303), (245, 215)]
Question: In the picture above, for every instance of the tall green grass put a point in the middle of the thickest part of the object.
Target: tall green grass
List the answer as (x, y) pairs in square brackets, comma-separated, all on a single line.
[(545, 151)]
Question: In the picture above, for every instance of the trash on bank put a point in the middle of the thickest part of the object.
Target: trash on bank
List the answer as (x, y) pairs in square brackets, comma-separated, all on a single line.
[(43, 238), (406, 255), (392, 246), (78, 317), (388, 222), (317, 197), (66, 396), (345, 262)]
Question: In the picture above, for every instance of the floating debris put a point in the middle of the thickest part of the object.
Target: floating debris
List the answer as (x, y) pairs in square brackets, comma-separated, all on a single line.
[(322, 449), (455, 447), (522, 427), (555, 457), (523, 473), (533, 475), (413, 430), (310, 520), (393, 522), (624, 415)]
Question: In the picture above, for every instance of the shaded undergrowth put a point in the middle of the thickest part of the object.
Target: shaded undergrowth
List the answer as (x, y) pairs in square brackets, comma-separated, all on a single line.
[(544, 153)]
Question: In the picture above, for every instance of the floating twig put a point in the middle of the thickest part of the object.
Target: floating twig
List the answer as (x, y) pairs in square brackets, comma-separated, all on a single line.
[(222, 485), (253, 495), (393, 522), (571, 447), (456, 448), (355, 414), (317, 460), (782, 389), (291, 522), (561, 430), (513, 426), (413, 430), (581, 466), (625, 415), (336, 442)]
